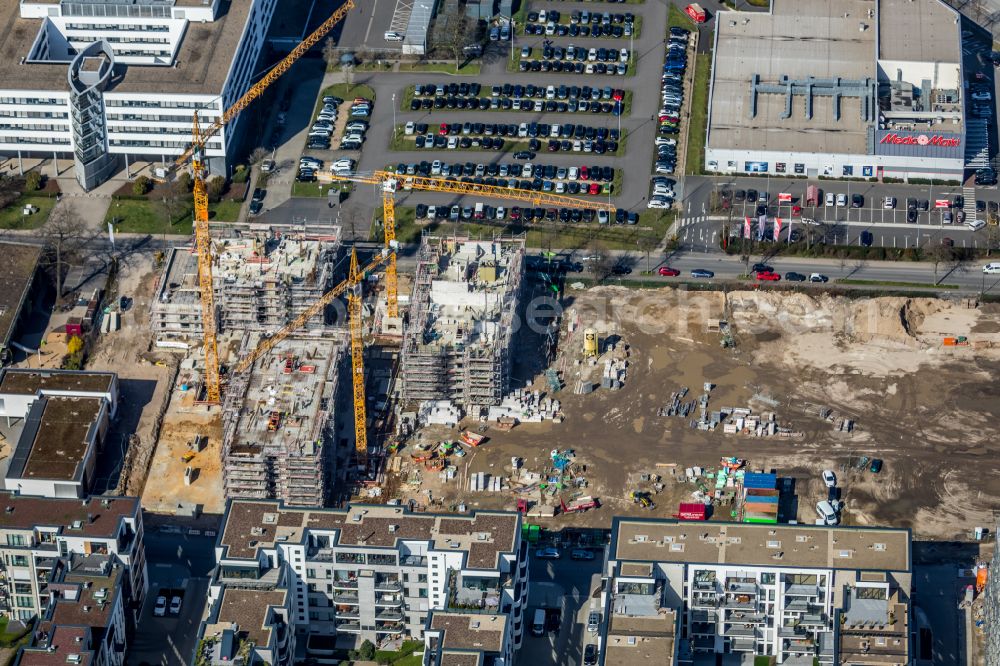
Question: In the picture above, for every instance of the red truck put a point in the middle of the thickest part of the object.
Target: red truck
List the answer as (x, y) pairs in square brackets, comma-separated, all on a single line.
[(696, 13), (812, 195)]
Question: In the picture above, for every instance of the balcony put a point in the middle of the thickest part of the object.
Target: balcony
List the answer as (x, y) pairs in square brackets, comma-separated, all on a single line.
[(390, 628), (349, 627), (739, 603), (345, 584), (478, 594), (413, 561), (739, 631), (705, 585), (813, 620), (704, 602), (704, 616), (742, 587), (744, 617), (744, 645), (345, 599), (389, 600), (389, 616), (389, 586), (703, 628), (348, 614), (795, 590)]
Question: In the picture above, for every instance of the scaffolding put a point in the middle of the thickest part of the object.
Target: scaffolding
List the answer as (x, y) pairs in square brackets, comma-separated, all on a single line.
[(991, 609), (465, 296), (278, 430), (260, 282)]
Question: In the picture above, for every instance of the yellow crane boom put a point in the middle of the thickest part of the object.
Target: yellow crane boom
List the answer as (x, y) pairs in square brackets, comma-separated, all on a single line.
[(196, 153), (354, 296), (269, 343)]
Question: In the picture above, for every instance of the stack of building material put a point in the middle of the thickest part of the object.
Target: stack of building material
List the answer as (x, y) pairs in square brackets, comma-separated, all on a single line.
[(613, 376), (439, 412), (483, 482), (760, 498), (526, 407)]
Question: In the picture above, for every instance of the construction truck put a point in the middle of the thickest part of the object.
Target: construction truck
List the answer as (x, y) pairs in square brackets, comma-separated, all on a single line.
[(642, 499)]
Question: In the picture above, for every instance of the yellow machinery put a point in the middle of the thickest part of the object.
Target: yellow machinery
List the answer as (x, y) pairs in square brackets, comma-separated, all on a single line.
[(196, 153), (390, 182), (353, 287)]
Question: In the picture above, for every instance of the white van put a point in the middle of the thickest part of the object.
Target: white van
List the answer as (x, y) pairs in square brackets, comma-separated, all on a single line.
[(391, 36), (538, 625), (992, 268)]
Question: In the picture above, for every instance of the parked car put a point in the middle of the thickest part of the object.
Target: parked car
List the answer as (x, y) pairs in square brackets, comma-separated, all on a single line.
[(590, 655), (160, 607), (175, 606), (594, 623), (581, 554), (759, 267), (827, 513), (546, 553), (792, 276), (768, 276), (876, 465), (818, 277), (702, 273), (829, 478), (666, 271)]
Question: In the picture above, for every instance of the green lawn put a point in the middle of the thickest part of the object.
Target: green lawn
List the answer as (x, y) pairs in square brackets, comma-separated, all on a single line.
[(676, 18), (149, 217), (13, 217), (698, 118), (402, 657), (893, 283), (373, 67), (467, 69), (313, 189), (555, 236)]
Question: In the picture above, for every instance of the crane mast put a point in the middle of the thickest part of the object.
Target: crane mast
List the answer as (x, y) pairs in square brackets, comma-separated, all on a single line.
[(354, 296)]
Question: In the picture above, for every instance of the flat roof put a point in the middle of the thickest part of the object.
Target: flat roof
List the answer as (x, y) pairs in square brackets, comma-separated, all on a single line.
[(201, 66), (806, 546), (64, 641), (455, 658), (798, 39), (918, 31), (16, 271), (28, 382), (55, 439), (483, 535), (470, 631), (641, 640), (97, 517), (248, 610)]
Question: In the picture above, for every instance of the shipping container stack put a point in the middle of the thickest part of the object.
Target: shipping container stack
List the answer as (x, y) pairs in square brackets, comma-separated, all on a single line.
[(760, 498)]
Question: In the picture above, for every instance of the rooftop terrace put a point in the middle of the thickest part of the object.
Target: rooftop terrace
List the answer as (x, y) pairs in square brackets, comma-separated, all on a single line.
[(16, 272), (470, 631), (248, 610), (641, 640), (98, 517), (56, 438), (29, 382)]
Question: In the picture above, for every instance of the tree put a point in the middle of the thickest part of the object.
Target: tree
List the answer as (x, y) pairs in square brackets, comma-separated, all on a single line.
[(141, 186), (74, 344), (330, 55), (600, 263), (184, 183), (10, 190), (940, 254), (458, 34), (367, 651), (647, 242), (348, 69), (215, 186), (257, 155), (66, 237), (33, 181)]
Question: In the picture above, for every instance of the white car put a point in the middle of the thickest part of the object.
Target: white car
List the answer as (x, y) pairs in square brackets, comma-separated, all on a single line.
[(889, 203), (175, 606), (160, 607), (342, 165), (432, 212), (602, 217), (660, 203), (841, 199), (829, 478), (663, 191), (452, 142), (663, 141), (574, 173), (762, 197), (436, 168), (827, 514), (410, 128), (501, 212), (623, 55), (592, 55), (992, 268), (830, 200), (975, 225)]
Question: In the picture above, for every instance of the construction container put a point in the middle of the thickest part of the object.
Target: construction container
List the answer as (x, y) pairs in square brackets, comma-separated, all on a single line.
[(760, 507), (589, 342), (758, 480), (74, 327), (763, 520), (692, 511)]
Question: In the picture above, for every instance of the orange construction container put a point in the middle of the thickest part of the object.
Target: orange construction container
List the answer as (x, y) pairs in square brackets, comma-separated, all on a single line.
[(950, 342), (981, 574)]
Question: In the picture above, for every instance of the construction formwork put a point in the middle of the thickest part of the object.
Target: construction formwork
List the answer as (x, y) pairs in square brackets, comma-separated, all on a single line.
[(261, 282), (278, 425), (465, 296), (991, 609)]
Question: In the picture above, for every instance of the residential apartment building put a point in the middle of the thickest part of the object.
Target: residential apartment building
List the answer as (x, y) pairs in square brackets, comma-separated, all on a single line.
[(105, 83), (50, 549), (369, 572), (797, 593), (59, 420)]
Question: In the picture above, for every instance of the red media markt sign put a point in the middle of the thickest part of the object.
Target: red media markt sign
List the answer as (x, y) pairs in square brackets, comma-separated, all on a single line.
[(920, 140)]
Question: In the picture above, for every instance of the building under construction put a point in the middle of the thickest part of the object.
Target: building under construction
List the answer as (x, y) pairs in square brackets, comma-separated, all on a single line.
[(261, 282), (458, 343), (278, 425)]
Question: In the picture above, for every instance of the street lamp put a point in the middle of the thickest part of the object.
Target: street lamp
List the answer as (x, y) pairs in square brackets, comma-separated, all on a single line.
[(394, 115)]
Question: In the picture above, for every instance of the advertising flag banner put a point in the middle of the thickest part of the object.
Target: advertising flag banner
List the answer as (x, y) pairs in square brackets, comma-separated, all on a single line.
[(746, 227), (784, 197), (777, 229)]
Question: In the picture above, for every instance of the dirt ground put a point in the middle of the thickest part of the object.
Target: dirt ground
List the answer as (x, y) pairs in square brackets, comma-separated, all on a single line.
[(927, 410), (165, 484)]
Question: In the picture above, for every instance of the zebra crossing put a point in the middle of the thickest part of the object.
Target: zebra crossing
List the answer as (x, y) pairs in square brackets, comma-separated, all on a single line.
[(690, 221)]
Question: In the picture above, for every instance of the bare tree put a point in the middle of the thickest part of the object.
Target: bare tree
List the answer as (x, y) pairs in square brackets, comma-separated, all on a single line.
[(330, 55), (647, 242), (458, 33), (348, 69), (600, 263), (10, 190), (66, 236), (940, 253), (257, 155)]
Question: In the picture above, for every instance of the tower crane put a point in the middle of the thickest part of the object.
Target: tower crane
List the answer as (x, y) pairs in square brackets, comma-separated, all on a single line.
[(353, 287), (196, 153), (390, 182)]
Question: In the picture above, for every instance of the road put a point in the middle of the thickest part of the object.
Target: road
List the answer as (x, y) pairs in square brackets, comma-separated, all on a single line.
[(568, 585), (175, 562)]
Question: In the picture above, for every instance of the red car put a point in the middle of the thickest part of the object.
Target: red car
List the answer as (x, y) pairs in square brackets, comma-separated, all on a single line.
[(515, 213), (584, 173), (796, 210), (618, 95), (594, 188), (667, 118), (666, 271), (443, 129), (768, 276)]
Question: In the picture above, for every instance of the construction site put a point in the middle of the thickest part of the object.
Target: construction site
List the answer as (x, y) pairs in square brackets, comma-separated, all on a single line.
[(261, 281), (457, 347)]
